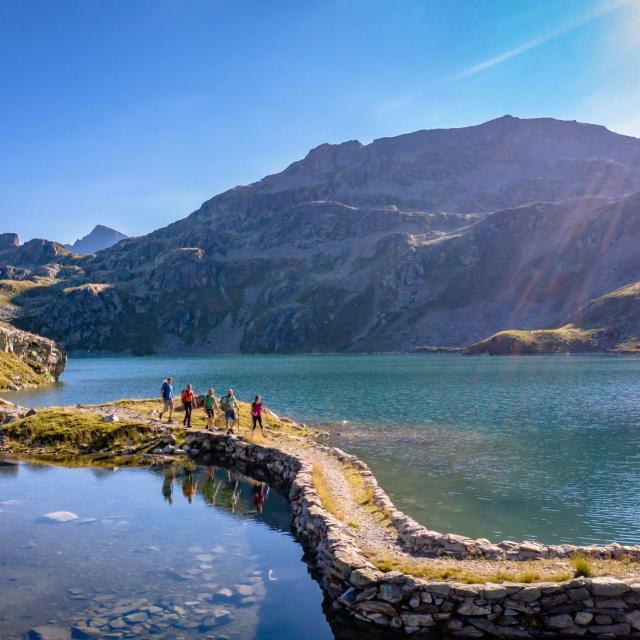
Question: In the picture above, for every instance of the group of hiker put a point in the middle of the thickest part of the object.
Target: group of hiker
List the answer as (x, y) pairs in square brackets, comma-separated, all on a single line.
[(227, 405)]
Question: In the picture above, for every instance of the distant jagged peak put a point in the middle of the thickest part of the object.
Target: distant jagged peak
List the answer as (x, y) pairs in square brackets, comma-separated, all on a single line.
[(101, 237)]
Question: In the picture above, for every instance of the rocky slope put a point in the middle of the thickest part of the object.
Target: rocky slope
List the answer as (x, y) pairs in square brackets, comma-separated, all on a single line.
[(27, 359), (100, 238), (609, 323), (377, 247)]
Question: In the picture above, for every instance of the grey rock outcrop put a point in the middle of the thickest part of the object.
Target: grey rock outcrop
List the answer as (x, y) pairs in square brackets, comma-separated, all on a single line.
[(9, 241), (43, 356)]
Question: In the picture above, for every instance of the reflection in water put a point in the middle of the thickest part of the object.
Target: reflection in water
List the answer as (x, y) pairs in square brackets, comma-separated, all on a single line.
[(162, 553), (167, 484), (219, 487)]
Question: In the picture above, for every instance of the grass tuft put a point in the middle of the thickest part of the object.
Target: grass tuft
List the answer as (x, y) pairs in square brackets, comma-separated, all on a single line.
[(582, 566), (324, 492)]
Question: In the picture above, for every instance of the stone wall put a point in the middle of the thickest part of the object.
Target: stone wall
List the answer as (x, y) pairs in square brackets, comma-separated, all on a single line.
[(603, 608)]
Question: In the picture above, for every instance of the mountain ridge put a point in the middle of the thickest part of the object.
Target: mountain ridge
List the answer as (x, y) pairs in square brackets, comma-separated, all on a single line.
[(345, 250)]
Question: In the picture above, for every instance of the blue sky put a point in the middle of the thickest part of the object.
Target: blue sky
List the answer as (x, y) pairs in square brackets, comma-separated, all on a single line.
[(131, 114)]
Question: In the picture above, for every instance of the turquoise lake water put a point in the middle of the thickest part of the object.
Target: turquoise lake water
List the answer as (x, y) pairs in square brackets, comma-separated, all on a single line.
[(543, 448)]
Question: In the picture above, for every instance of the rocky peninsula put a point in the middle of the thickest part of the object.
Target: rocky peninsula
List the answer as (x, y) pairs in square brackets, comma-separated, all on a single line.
[(373, 561)]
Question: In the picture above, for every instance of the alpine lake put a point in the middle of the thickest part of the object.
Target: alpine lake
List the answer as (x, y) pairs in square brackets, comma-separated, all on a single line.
[(538, 448)]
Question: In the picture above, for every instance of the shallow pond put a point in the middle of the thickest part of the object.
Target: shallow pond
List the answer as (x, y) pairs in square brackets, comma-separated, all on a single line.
[(153, 553)]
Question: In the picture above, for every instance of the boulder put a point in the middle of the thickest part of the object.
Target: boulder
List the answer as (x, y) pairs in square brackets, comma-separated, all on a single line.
[(607, 586)]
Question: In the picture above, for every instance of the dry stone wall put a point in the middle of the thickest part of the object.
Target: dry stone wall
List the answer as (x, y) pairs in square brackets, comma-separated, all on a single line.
[(603, 608)]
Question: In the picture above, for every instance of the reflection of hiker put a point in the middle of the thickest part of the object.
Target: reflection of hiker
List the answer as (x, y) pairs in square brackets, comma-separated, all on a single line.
[(166, 393), (256, 414), (189, 486), (210, 488), (230, 407), (260, 493), (167, 485), (210, 406), (235, 490), (188, 402)]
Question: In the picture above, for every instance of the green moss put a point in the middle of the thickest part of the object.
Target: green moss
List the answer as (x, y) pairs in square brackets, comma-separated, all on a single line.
[(66, 430), (67, 435), (14, 370)]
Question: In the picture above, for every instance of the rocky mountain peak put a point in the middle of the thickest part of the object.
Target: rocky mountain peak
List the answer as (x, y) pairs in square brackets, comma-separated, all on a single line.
[(100, 238)]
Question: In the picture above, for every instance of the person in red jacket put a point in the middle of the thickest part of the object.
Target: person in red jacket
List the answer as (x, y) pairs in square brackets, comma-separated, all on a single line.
[(188, 402)]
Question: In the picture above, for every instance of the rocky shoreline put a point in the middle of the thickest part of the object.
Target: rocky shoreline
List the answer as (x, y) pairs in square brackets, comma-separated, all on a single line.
[(600, 607)]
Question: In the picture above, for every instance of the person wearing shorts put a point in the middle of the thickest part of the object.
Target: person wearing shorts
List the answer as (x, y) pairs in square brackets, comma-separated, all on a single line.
[(230, 406), (256, 414), (210, 406), (166, 393)]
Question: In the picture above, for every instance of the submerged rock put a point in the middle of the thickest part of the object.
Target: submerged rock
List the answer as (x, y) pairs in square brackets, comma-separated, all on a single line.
[(59, 516), (82, 632), (49, 632)]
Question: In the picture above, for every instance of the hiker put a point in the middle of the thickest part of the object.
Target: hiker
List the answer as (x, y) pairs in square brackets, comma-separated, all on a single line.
[(188, 402), (210, 407), (231, 410), (166, 393), (256, 414)]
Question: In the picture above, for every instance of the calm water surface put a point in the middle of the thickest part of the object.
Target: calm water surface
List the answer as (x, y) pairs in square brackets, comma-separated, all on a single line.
[(152, 554), (542, 448)]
